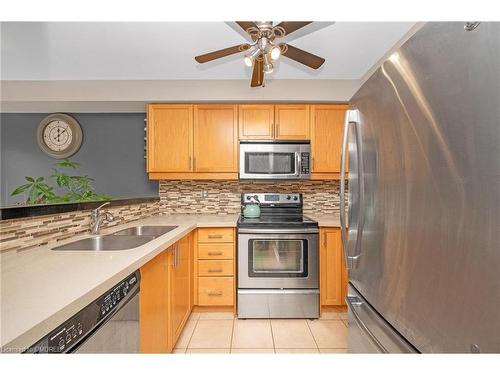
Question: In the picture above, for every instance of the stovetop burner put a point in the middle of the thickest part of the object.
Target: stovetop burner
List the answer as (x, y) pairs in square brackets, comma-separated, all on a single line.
[(277, 221), (277, 211)]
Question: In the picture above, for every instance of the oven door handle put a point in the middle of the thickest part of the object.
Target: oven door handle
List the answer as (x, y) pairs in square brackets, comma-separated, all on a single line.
[(278, 231)]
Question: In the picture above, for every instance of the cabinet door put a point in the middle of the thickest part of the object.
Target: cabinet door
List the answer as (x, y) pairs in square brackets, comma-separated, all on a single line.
[(180, 287), (256, 121), (170, 138), (327, 122), (292, 121), (216, 138), (153, 306), (331, 267)]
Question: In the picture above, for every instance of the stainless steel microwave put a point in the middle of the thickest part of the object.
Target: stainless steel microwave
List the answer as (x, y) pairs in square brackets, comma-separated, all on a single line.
[(275, 160)]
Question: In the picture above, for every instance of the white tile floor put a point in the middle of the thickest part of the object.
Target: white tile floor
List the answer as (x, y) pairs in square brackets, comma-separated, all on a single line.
[(220, 332)]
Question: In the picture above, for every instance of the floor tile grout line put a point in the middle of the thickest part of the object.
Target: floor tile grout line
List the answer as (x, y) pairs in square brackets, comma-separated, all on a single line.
[(192, 333), (231, 340), (272, 336), (312, 334)]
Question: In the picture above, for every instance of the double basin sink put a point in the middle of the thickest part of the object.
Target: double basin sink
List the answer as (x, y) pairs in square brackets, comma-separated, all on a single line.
[(124, 239)]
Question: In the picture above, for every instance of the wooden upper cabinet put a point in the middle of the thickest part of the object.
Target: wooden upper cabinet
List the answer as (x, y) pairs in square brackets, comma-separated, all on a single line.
[(327, 123), (170, 138), (216, 138), (256, 121), (292, 121)]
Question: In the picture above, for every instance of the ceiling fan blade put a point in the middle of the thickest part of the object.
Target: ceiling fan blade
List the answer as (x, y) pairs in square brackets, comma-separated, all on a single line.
[(258, 73), (291, 26), (245, 25), (303, 57), (222, 53)]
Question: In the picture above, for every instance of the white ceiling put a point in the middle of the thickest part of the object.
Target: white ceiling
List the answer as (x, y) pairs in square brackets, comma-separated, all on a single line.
[(165, 51)]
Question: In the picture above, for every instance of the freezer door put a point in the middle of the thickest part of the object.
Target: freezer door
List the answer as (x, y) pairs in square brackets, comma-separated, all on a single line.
[(368, 331), (428, 250)]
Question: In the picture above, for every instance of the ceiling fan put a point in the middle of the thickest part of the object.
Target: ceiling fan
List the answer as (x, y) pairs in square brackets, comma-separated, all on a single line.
[(264, 48)]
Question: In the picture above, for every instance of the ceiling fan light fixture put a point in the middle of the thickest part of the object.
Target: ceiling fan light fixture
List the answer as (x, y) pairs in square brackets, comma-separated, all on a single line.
[(268, 65), (275, 53), (250, 57)]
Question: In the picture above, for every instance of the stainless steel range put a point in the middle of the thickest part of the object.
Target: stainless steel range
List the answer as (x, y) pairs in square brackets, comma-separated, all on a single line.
[(278, 267)]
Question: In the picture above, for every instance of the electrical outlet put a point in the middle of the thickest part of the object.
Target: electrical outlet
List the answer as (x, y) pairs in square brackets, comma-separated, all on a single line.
[(204, 194)]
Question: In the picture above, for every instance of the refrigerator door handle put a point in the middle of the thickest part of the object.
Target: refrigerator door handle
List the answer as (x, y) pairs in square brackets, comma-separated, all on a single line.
[(351, 118)]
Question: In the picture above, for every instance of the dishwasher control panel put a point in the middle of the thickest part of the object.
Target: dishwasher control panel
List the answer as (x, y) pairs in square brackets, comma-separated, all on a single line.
[(65, 338)]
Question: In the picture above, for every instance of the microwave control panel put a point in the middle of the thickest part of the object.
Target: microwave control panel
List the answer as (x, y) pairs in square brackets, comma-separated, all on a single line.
[(304, 163)]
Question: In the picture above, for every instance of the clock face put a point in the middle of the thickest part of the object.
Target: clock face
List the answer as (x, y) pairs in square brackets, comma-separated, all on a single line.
[(57, 135)]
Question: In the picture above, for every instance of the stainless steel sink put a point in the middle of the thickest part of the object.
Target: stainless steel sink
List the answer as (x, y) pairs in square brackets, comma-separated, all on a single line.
[(146, 230), (106, 243)]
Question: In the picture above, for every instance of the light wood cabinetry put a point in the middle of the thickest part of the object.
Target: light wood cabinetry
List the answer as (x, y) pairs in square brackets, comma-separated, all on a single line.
[(292, 121), (170, 138), (154, 306), (200, 141), (274, 121), (256, 121), (327, 122), (180, 287), (216, 138), (165, 302), (333, 276), (215, 267), (189, 141)]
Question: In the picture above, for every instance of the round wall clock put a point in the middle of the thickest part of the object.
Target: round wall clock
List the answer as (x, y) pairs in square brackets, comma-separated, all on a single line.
[(59, 135)]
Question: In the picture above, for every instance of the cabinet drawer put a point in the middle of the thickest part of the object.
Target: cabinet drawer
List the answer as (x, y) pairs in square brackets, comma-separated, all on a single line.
[(215, 251), (216, 235), (215, 268), (215, 291)]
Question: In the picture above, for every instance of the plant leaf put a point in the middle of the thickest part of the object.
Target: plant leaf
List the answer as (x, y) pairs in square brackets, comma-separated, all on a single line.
[(30, 179), (21, 189)]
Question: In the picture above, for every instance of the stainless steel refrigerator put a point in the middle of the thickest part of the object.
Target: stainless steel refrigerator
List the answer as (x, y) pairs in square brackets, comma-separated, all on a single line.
[(423, 238)]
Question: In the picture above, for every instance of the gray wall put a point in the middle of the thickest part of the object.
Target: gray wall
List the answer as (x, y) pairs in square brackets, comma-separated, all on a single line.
[(112, 153)]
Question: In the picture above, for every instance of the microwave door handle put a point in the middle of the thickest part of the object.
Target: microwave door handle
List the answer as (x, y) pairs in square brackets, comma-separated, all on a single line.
[(297, 164)]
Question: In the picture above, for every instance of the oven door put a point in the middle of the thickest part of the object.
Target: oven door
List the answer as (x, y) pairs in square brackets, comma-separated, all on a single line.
[(270, 161), (288, 259)]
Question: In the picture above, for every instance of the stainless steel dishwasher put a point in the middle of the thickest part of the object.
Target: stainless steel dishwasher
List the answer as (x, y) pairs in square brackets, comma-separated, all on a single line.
[(110, 324)]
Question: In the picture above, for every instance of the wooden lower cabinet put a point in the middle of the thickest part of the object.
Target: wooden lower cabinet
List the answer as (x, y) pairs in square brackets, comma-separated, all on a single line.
[(154, 305), (215, 275), (165, 299), (216, 291), (180, 288), (333, 275)]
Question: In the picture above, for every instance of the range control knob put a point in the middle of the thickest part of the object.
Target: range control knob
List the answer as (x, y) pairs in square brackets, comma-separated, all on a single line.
[(295, 198), (125, 290), (61, 344), (80, 328), (68, 337), (288, 197)]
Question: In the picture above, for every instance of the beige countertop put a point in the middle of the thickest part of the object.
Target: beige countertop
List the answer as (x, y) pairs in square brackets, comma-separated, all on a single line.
[(325, 220), (41, 288)]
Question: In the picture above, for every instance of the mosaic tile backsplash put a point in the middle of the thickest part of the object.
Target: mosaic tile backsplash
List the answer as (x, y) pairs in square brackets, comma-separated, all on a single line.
[(26, 233), (320, 197)]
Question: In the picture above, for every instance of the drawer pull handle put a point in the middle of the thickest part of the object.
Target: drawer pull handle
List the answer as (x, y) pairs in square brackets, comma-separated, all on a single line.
[(215, 270), (215, 236), (219, 293), (215, 253)]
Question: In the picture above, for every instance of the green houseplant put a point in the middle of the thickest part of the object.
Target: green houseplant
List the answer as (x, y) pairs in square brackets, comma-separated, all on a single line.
[(74, 188)]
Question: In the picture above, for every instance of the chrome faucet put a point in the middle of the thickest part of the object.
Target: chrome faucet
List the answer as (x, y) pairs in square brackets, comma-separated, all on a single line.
[(96, 218)]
